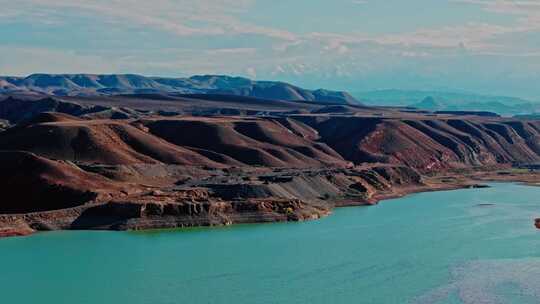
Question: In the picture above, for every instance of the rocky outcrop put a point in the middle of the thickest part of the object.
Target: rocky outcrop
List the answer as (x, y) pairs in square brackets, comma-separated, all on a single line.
[(14, 227), (137, 215), (246, 197)]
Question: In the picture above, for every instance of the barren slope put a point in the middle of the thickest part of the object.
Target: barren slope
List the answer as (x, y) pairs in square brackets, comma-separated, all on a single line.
[(252, 141), (31, 183), (430, 144), (96, 141), (155, 169)]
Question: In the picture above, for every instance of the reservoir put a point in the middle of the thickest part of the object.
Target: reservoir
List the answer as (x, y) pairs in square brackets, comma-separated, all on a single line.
[(463, 246)]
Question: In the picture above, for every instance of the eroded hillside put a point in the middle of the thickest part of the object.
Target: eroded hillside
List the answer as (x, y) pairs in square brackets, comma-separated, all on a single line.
[(148, 170)]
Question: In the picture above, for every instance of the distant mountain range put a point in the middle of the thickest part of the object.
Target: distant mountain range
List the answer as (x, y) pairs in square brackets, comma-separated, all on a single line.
[(88, 85), (529, 116), (449, 101), (96, 85)]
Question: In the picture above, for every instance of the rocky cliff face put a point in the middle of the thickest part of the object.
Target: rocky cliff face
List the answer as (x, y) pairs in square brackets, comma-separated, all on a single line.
[(219, 197)]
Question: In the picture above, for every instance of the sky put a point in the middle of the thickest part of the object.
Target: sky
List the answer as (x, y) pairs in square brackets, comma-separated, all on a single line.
[(482, 46)]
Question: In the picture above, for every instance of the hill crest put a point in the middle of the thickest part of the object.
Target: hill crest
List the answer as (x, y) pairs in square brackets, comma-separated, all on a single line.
[(115, 84)]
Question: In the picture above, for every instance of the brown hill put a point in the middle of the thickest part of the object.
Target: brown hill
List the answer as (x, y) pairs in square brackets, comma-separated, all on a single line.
[(299, 141), (16, 110), (32, 183), (50, 117), (429, 144), (23, 108), (178, 171), (96, 141), (252, 141), (212, 142)]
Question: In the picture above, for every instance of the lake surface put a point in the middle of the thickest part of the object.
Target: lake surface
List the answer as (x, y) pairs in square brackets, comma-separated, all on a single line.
[(464, 246)]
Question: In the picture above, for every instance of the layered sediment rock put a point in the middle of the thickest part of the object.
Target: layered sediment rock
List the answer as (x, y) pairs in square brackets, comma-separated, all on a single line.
[(14, 227), (137, 215), (247, 197)]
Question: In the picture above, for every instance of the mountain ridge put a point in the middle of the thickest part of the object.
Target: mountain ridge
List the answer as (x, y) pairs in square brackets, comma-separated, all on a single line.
[(449, 101), (115, 84)]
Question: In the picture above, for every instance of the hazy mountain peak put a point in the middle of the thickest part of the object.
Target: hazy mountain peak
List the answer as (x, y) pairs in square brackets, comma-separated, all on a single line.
[(449, 101)]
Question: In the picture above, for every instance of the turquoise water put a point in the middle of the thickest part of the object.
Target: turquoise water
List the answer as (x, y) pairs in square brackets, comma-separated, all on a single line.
[(465, 246)]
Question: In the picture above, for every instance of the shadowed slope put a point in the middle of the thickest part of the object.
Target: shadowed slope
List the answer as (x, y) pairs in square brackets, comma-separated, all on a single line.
[(294, 142), (97, 141), (430, 144), (32, 183), (262, 142), (208, 142), (17, 110), (24, 108)]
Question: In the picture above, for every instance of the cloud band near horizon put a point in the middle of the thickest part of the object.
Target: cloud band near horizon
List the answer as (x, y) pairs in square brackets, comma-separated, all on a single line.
[(477, 45)]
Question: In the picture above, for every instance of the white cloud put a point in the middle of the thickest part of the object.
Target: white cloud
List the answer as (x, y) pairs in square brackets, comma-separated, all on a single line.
[(24, 61), (527, 11), (263, 51), (251, 72), (213, 17), (222, 18)]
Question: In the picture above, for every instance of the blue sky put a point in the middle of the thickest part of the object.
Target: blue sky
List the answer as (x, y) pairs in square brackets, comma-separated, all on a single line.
[(485, 46)]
